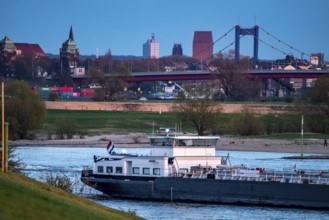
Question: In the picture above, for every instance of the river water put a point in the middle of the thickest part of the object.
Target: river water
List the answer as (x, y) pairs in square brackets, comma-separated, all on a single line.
[(41, 161)]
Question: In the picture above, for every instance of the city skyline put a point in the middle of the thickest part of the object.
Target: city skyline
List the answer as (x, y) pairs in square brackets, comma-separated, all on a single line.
[(123, 26)]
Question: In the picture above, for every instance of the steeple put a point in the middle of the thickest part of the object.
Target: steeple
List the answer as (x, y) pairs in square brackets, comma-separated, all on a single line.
[(71, 34), (69, 53)]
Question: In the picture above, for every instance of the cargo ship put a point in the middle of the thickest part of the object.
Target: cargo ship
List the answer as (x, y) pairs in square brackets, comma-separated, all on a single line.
[(185, 168)]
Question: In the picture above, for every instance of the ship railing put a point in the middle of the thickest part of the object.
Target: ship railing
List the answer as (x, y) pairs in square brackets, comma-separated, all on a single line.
[(277, 176)]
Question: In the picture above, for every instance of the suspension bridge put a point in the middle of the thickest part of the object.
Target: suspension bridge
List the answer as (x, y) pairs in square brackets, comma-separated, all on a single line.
[(255, 72)]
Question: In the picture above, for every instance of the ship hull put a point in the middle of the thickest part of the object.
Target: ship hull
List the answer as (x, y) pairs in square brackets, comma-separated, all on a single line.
[(263, 193)]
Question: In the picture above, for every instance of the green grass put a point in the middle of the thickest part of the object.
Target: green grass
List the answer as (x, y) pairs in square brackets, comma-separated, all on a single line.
[(287, 126), (25, 198), (112, 121)]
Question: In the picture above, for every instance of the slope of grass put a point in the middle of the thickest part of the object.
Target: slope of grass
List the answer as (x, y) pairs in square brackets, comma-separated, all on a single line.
[(25, 198)]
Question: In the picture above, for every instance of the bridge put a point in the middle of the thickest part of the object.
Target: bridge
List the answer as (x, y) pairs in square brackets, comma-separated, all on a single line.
[(281, 74), (208, 75)]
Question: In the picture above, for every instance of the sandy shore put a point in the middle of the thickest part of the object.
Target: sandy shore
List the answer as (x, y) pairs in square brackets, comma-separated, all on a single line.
[(311, 146)]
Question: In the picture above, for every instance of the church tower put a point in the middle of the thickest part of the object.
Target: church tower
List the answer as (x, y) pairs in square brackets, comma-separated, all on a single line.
[(69, 53)]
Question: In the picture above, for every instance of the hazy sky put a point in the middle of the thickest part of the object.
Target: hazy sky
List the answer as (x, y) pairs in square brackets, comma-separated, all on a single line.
[(124, 25)]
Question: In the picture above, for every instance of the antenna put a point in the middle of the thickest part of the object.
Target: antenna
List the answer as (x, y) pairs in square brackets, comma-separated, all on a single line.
[(97, 53)]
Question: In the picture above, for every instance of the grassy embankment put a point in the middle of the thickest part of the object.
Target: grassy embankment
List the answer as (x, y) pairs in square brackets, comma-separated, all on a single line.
[(123, 122), (25, 198)]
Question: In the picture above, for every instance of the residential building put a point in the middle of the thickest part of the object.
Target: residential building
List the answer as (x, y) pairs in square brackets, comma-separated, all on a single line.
[(317, 59), (30, 50)]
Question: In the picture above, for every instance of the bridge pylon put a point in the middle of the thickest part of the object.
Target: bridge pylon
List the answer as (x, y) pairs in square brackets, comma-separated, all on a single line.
[(246, 31)]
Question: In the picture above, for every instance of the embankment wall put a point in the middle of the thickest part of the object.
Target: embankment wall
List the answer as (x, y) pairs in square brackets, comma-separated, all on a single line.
[(154, 107)]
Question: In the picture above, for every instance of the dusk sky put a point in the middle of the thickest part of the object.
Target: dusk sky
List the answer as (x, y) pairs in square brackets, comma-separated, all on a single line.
[(124, 25)]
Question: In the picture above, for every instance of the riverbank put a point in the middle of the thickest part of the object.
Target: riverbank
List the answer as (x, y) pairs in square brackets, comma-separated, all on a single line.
[(227, 143)]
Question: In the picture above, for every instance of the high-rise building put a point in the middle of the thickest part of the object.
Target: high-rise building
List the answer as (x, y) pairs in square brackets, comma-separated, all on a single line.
[(69, 53), (151, 48), (203, 46), (177, 50)]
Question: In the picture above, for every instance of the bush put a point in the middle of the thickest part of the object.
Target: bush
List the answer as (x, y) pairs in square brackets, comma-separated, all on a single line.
[(62, 182), (65, 127), (317, 123), (14, 163), (53, 96), (247, 122)]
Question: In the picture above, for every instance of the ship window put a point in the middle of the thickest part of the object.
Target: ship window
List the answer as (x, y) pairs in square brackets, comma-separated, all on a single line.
[(100, 169), (109, 169), (118, 170), (161, 142), (156, 171), (135, 170), (146, 171)]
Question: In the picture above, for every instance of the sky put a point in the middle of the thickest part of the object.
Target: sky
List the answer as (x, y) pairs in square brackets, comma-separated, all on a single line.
[(124, 25)]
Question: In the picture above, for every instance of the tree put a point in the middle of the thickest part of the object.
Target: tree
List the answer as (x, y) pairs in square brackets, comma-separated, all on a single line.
[(111, 85), (196, 107), (234, 81), (24, 110), (319, 96), (315, 105), (23, 68)]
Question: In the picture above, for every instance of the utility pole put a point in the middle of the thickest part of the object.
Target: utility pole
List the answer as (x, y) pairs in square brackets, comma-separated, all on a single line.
[(302, 135), (4, 129), (3, 124)]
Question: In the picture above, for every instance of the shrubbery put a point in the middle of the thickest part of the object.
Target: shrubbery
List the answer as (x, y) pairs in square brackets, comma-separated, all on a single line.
[(65, 127), (248, 122), (63, 182)]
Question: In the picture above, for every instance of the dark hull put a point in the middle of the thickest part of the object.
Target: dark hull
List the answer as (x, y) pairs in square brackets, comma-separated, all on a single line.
[(215, 191)]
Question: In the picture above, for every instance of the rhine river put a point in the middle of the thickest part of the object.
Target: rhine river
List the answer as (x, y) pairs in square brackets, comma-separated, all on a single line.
[(41, 161)]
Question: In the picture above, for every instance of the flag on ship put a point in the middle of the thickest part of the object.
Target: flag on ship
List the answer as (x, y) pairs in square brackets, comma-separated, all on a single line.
[(110, 147)]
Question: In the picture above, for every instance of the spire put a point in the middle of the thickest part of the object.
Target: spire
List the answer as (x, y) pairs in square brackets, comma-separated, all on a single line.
[(71, 34)]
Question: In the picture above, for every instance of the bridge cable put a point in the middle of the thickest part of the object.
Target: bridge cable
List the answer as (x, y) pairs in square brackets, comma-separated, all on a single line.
[(223, 36), (280, 41), (274, 48), (232, 43), (262, 41)]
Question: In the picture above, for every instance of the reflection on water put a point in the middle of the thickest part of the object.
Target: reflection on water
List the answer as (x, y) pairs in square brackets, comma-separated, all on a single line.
[(39, 161)]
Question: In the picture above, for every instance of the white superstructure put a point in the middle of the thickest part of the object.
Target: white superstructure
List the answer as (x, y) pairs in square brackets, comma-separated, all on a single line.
[(170, 155)]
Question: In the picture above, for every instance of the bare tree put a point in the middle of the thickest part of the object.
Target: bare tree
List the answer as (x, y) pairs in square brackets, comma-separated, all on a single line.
[(196, 107), (109, 85), (235, 83)]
